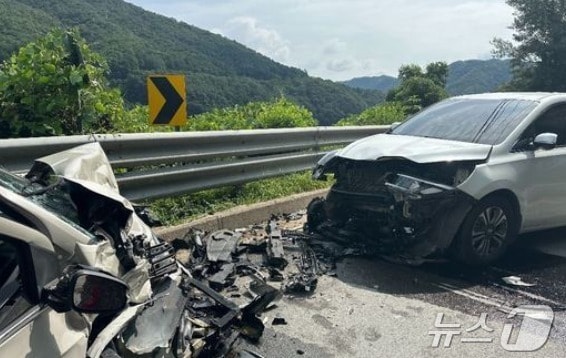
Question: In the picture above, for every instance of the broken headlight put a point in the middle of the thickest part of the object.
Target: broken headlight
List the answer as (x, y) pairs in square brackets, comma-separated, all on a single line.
[(462, 175), (319, 170), (416, 188)]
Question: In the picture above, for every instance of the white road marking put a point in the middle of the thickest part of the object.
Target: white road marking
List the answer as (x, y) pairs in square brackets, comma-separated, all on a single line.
[(490, 301), (529, 295)]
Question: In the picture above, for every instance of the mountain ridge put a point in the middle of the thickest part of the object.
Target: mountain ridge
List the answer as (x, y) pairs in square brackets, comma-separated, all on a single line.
[(464, 77)]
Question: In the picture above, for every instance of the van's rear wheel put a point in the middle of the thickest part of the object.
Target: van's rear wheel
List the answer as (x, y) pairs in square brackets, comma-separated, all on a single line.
[(486, 233)]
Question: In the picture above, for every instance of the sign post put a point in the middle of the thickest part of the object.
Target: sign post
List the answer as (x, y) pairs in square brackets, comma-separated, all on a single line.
[(167, 100)]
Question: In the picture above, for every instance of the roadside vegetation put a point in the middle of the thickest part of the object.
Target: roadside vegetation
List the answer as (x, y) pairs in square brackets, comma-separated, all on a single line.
[(186, 207)]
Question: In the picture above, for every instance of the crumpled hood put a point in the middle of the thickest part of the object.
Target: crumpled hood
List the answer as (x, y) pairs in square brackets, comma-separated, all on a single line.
[(416, 149), (88, 174)]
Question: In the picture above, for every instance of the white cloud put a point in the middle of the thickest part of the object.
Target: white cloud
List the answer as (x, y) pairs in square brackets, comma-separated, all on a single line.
[(334, 46), (340, 39), (342, 65), (264, 40)]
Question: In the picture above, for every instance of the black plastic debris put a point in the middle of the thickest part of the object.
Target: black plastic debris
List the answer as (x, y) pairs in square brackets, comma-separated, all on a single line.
[(220, 245), (225, 310), (146, 215), (222, 277), (275, 252), (306, 279), (275, 275), (162, 259), (251, 327), (278, 320), (156, 325), (264, 296)]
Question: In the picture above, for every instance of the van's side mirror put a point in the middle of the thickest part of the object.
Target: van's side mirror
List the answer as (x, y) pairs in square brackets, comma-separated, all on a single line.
[(86, 290), (545, 141)]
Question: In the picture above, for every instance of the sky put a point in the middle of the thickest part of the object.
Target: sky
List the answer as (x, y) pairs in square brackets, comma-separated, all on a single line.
[(342, 39)]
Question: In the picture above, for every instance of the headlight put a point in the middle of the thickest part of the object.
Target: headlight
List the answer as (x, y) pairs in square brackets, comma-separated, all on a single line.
[(319, 169), (414, 187), (462, 174)]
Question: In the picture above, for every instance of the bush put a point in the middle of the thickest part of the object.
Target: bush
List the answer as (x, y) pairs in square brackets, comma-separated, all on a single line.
[(280, 113), (56, 86), (176, 209), (386, 113)]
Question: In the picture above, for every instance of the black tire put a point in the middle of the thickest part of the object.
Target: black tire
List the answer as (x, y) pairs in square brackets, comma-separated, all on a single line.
[(487, 231), (316, 214)]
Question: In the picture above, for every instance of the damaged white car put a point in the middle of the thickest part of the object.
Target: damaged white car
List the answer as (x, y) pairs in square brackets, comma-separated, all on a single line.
[(81, 274), (464, 176)]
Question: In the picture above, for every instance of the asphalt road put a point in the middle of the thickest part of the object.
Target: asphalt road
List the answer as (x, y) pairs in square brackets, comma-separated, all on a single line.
[(375, 308)]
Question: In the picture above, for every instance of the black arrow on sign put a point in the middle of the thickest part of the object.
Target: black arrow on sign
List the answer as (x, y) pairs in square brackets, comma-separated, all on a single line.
[(172, 100)]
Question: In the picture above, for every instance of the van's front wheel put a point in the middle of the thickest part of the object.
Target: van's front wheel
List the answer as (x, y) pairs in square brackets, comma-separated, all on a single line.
[(486, 233)]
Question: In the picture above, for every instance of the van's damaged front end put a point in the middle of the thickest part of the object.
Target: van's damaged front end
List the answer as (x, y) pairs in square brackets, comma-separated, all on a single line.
[(402, 207)]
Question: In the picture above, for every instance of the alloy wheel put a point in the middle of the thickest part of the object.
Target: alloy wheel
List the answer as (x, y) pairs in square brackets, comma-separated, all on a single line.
[(489, 231)]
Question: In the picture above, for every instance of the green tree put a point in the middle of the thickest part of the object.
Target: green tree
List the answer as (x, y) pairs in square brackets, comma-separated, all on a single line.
[(410, 71), (420, 89), (55, 86), (538, 52), (437, 72), (385, 113), (280, 113)]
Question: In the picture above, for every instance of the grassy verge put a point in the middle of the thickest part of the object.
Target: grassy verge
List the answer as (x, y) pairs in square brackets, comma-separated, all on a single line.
[(175, 210)]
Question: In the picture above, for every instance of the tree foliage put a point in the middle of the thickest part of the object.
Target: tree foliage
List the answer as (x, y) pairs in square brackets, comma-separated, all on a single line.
[(385, 113), (280, 113), (418, 88), (538, 52), (55, 86), (437, 72)]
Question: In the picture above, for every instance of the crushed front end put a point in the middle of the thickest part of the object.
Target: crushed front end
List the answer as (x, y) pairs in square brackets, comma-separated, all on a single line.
[(401, 207)]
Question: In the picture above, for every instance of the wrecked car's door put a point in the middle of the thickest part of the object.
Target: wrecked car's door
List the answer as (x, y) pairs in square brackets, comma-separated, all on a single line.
[(28, 327), (543, 177)]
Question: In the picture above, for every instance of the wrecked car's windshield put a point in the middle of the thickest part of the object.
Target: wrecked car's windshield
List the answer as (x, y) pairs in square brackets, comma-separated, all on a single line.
[(11, 182), (484, 121), (54, 201)]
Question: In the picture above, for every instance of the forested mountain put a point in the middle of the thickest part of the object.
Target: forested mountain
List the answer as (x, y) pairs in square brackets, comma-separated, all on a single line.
[(220, 72), (464, 77), (476, 76), (381, 83)]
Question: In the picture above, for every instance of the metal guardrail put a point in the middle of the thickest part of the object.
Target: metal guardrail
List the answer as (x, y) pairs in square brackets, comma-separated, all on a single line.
[(165, 164)]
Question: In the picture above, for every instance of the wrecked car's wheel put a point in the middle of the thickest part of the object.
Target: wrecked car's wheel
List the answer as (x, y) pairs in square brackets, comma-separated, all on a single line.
[(486, 232), (315, 213)]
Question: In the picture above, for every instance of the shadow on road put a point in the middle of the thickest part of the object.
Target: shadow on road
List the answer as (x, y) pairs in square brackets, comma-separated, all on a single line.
[(539, 258)]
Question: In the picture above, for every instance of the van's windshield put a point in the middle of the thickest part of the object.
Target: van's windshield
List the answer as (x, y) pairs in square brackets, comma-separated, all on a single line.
[(485, 121)]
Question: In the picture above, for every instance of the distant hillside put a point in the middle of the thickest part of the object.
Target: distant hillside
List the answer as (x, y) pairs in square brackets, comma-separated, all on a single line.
[(464, 77), (220, 72), (381, 83), (475, 76)]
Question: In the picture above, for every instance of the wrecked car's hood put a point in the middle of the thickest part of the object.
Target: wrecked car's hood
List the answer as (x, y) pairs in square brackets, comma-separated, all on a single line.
[(416, 149)]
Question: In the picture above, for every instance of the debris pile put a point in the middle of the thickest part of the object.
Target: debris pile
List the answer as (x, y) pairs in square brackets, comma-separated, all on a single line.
[(236, 275)]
